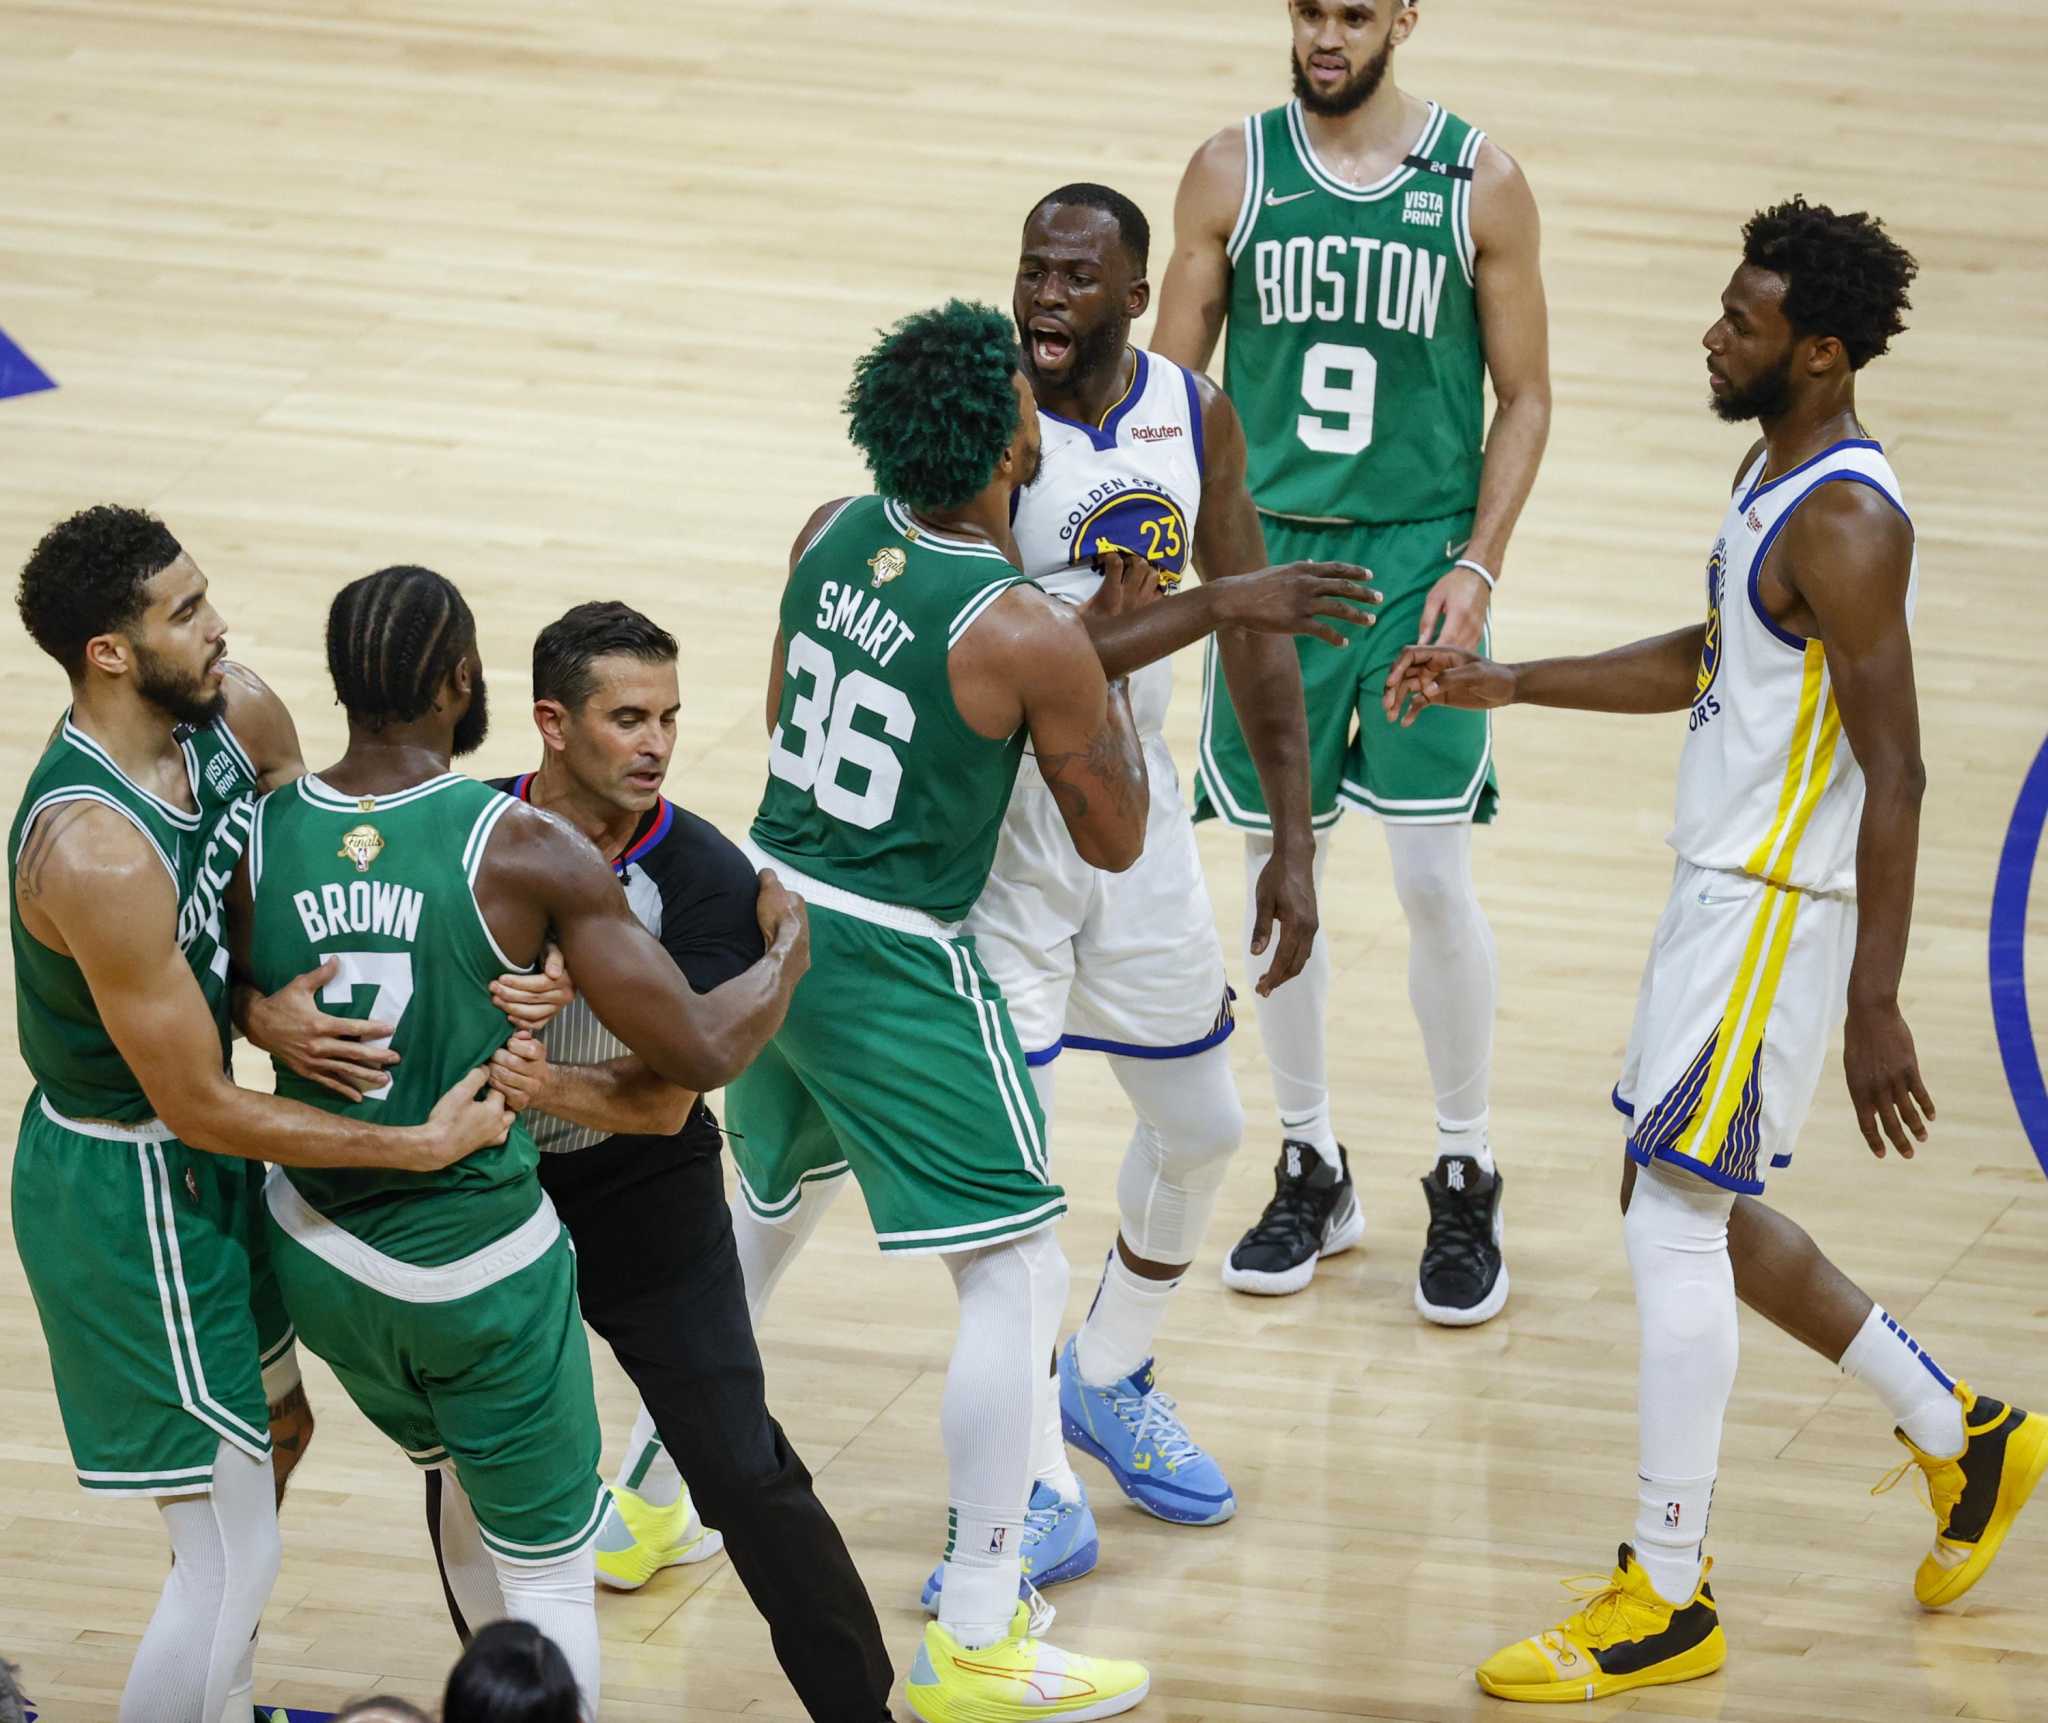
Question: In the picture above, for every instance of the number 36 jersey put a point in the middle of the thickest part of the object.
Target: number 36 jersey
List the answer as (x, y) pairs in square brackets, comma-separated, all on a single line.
[(1354, 353), (876, 783), (1132, 483)]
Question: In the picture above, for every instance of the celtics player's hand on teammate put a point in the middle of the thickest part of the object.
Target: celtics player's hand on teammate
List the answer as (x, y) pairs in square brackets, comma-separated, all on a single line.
[(463, 1121), (1298, 598), (785, 922), (1444, 676), (1129, 583), (1455, 612), (344, 1054), (519, 1072), (1883, 1069), (532, 1001)]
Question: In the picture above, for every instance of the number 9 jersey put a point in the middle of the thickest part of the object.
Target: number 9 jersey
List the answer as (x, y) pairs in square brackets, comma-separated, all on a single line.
[(1354, 356)]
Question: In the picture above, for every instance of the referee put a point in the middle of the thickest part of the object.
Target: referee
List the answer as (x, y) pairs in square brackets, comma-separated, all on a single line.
[(632, 1165)]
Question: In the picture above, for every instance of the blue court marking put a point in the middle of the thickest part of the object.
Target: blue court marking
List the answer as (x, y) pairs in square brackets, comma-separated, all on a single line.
[(2009, 1014), (19, 374)]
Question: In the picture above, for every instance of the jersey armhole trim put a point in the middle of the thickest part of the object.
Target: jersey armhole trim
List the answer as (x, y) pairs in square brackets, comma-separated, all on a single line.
[(830, 521), (1799, 642), (234, 746), (1461, 206), (86, 793), (256, 846), (1254, 179), (1187, 377), (971, 612), (472, 864)]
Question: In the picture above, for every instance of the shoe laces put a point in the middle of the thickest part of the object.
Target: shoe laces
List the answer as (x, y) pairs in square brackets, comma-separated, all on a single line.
[(1941, 1484), (1153, 1417), (1297, 1208), (1460, 1228), (1038, 1613), (1042, 1520), (1604, 1607)]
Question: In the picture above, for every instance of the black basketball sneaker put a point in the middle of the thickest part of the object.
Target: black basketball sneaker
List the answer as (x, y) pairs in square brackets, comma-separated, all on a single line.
[(1314, 1213), (1463, 1280)]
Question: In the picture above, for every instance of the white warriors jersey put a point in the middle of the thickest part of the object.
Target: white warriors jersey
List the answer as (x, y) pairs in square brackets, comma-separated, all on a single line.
[(1132, 483), (1767, 784)]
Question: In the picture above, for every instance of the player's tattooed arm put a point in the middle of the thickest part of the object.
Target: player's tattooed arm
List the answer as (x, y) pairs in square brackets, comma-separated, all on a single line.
[(1195, 297), (1843, 563), (37, 848), (1027, 660), (540, 873), (263, 726)]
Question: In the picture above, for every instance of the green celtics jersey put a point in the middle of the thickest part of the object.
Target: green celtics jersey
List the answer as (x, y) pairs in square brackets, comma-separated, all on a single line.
[(384, 886), (1354, 353), (63, 1042), (875, 782)]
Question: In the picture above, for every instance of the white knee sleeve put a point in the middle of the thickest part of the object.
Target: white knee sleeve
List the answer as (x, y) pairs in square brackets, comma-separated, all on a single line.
[(559, 1598), (194, 1655), (767, 1248), (467, 1566), (1452, 976), (1190, 1122), (1677, 1235)]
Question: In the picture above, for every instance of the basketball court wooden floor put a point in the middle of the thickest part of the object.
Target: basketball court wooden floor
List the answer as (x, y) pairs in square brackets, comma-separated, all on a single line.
[(560, 301)]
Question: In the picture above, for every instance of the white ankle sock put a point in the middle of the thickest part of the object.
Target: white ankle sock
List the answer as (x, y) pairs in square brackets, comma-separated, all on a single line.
[(1122, 1323), (1049, 1463), (647, 1470), (1466, 1138), (1671, 1526), (1915, 1390)]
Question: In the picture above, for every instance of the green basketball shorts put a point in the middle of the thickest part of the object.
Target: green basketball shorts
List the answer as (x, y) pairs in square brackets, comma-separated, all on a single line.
[(481, 1364), (154, 1282), (897, 1063), (1437, 773)]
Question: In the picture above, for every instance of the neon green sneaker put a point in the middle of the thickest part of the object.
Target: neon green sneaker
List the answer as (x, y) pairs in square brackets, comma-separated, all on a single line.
[(637, 1539), (1019, 1677)]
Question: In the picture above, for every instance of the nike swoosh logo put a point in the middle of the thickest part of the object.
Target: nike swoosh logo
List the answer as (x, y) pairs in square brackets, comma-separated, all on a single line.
[(1712, 902), (1274, 201), (1456, 550)]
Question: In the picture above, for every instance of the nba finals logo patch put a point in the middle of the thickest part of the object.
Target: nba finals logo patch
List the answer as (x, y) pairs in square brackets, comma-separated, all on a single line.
[(887, 563), (361, 845)]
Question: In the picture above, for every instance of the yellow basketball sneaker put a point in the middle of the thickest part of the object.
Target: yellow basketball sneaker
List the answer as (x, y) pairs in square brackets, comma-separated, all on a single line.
[(637, 1539), (1975, 1496), (1019, 1677), (1625, 1636)]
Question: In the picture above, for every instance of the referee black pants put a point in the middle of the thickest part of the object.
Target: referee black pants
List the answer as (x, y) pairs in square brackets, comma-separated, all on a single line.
[(659, 1279)]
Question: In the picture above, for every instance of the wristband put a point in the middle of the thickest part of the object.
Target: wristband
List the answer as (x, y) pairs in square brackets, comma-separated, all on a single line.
[(1467, 562)]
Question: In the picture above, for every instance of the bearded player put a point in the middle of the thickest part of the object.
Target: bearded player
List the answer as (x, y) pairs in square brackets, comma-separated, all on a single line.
[(1376, 258), (1797, 832)]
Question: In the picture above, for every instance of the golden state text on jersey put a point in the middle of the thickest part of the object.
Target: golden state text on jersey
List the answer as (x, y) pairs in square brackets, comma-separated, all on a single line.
[(1705, 708)]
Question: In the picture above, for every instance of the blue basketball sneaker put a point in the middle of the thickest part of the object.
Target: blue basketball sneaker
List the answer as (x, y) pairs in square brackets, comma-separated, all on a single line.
[(1059, 1544), (1134, 1430)]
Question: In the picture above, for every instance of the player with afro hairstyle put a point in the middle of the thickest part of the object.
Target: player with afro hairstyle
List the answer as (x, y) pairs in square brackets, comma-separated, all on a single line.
[(1844, 275)]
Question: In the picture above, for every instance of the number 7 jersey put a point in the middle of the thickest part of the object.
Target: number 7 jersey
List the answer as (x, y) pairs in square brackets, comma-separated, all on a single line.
[(1354, 355), (876, 783)]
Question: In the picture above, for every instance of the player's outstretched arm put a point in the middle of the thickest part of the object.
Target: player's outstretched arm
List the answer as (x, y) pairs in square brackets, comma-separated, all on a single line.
[(625, 1095), (539, 872), (1195, 298), (1657, 675), (1028, 660), (1848, 556), (91, 882)]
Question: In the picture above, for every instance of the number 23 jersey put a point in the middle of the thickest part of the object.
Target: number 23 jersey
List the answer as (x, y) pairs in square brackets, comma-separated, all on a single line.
[(1131, 483)]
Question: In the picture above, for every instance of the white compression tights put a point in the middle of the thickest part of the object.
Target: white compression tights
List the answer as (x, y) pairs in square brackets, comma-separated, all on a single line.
[(1677, 1235), (556, 1596), (1453, 982), (194, 1658)]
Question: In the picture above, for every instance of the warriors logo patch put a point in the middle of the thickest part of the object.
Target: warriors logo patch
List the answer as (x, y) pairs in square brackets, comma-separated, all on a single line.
[(1710, 647), (361, 845)]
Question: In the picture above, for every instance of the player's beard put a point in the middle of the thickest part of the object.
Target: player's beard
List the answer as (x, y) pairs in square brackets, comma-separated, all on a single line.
[(177, 693), (1347, 98), (1769, 397), (474, 724)]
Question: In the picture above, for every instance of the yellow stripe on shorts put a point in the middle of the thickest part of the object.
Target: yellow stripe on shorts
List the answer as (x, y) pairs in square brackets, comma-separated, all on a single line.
[(1742, 1022)]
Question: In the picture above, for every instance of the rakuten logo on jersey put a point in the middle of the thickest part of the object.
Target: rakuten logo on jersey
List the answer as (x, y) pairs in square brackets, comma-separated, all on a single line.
[(1155, 433)]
